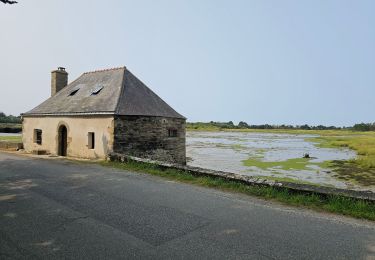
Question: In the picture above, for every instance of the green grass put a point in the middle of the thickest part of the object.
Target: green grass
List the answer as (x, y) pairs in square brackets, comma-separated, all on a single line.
[(332, 203), (11, 138), (363, 144)]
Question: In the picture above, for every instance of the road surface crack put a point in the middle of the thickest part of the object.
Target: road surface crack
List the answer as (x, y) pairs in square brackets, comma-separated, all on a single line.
[(69, 221)]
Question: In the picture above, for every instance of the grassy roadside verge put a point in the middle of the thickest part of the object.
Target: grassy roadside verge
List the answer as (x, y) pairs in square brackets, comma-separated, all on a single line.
[(334, 204)]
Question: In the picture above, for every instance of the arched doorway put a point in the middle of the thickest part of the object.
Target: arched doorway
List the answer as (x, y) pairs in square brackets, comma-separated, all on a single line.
[(63, 141)]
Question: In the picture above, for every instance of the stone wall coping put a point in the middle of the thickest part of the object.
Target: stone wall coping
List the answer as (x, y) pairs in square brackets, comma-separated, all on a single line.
[(9, 145), (251, 180)]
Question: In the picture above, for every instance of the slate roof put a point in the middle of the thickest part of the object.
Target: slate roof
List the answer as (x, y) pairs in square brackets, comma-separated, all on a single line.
[(122, 94)]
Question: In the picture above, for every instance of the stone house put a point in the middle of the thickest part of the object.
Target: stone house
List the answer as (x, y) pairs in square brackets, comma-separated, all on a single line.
[(102, 112)]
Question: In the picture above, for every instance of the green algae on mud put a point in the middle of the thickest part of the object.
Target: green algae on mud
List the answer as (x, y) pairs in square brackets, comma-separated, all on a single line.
[(296, 164), (236, 147), (290, 164)]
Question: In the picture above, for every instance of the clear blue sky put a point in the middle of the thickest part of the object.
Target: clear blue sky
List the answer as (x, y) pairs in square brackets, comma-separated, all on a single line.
[(275, 62)]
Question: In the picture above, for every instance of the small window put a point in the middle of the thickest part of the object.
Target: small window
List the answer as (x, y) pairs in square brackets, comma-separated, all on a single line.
[(91, 141), (38, 136), (172, 133)]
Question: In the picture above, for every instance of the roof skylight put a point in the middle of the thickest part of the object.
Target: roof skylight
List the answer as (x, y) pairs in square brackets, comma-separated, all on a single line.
[(74, 90), (96, 90)]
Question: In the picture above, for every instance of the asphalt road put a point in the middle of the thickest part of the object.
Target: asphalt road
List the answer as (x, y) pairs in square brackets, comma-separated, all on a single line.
[(57, 209)]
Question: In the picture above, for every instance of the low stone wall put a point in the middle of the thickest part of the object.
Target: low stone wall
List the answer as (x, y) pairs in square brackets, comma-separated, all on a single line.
[(6, 145), (250, 180)]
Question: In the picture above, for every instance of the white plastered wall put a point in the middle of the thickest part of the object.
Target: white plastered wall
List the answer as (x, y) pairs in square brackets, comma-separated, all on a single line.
[(77, 135)]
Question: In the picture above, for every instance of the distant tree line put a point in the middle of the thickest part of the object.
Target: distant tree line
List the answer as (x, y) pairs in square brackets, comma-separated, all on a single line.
[(364, 127), (244, 125), (9, 119)]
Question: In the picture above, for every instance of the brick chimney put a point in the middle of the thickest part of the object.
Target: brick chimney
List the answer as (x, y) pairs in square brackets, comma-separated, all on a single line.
[(59, 80)]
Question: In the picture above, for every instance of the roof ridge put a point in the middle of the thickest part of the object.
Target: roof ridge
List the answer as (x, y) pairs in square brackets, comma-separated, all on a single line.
[(121, 92), (94, 71)]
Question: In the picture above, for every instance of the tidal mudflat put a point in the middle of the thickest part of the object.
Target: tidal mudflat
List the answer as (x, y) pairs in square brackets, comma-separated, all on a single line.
[(269, 155)]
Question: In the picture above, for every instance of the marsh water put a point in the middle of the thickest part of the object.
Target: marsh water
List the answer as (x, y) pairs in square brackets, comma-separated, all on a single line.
[(227, 151), (9, 134)]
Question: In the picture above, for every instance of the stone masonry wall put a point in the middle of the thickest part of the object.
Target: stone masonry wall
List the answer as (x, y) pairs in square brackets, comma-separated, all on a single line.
[(147, 137)]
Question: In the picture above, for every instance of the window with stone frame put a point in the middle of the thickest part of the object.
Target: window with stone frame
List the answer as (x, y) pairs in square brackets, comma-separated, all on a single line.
[(38, 136), (172, 132), (91, 140)]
